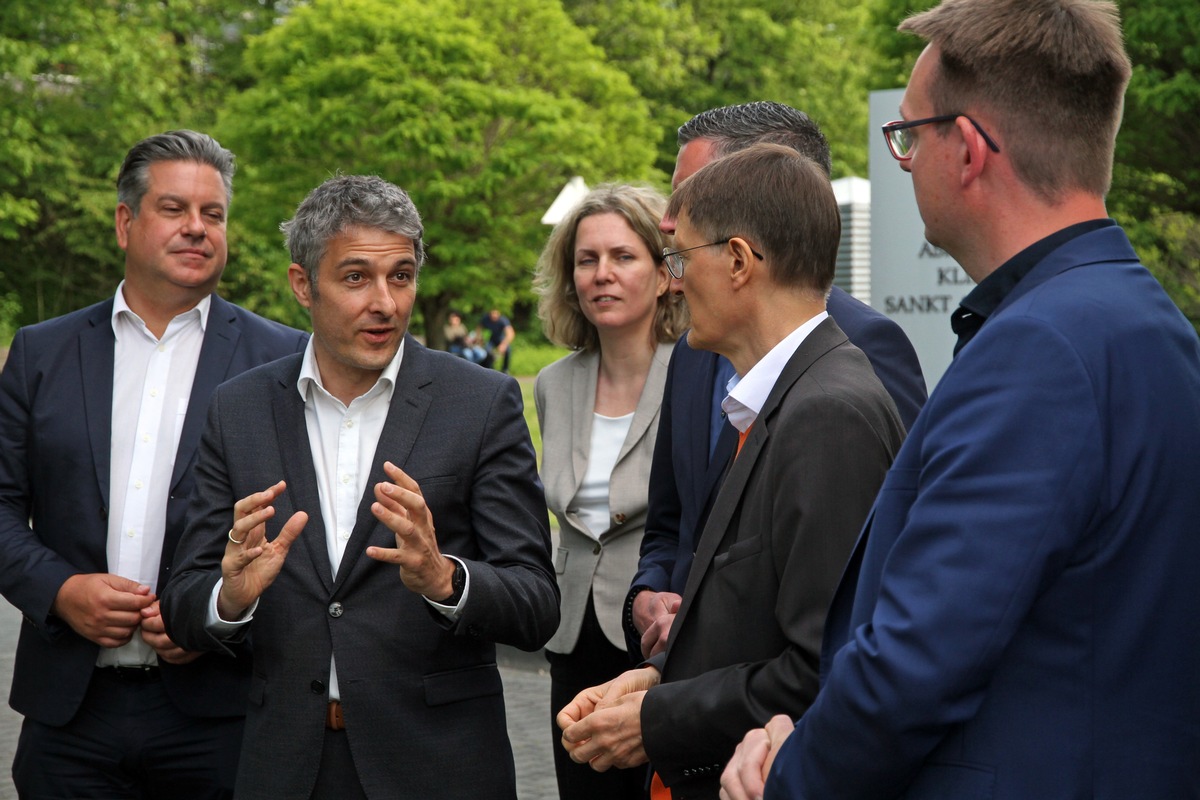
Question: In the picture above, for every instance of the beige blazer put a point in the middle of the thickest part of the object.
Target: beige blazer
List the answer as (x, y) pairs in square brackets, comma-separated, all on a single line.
[(565, 396)]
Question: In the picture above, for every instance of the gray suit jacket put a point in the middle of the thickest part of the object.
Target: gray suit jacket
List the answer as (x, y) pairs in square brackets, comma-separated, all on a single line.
[(746, 643), (565, 395), (418, 693)]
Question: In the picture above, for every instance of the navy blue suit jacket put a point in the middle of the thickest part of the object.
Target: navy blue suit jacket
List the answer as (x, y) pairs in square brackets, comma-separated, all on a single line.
[(683, 479), (55, 431), (1019, 618)]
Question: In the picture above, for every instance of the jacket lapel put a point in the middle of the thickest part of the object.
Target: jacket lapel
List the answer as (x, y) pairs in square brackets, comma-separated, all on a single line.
[(97, 347), (650, 401), (411, 399), (221, 335), (583, 409), (821, 340), (291, 432)]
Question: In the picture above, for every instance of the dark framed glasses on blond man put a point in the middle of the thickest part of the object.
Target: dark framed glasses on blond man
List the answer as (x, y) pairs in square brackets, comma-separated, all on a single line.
[(675, 261), (900, 139)]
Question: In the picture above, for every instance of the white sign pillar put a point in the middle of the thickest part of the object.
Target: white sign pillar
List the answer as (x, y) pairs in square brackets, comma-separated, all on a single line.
[(913, 282)]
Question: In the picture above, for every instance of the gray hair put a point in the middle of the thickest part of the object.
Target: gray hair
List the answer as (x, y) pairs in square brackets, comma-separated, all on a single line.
[(734, 128), (346, 201), (134, 178)]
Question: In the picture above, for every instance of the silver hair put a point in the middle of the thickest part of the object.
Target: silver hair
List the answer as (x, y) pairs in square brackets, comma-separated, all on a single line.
[(346, 201), (134, 178)]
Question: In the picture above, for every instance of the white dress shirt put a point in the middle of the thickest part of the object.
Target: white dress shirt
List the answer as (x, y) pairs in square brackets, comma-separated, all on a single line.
[(152, 382), (342, 440), (748, 393)]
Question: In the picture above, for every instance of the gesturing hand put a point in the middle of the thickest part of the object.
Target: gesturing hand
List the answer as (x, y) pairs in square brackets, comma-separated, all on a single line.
[(252, 563), (401, 507)]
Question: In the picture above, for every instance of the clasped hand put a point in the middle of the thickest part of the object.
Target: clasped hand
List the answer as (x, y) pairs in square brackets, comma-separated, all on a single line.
[(108, 610), (745, 775), (602, 726)]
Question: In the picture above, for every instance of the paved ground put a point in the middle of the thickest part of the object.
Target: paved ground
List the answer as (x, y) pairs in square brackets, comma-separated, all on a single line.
[(526, 690)]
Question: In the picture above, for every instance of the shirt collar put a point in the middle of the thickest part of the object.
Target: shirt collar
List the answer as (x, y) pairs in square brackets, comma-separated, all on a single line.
[(200, 310), (310, 375), (982, 301), (748, 394)]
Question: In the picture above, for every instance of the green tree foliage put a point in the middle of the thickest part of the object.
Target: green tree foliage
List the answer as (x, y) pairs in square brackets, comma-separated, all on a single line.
[(482, 111), (688, 56), (80, 81)]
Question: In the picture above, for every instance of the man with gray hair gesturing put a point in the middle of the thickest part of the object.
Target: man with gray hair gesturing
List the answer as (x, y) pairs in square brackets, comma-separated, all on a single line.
[(1019, 617), (312, 532)]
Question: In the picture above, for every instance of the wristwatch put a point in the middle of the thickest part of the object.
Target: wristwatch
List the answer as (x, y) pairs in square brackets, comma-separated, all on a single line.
[(458, 583)]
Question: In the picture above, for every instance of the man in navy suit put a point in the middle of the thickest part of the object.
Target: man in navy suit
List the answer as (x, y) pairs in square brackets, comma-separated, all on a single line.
[(695, 442), (1019, 617), (100, 414)]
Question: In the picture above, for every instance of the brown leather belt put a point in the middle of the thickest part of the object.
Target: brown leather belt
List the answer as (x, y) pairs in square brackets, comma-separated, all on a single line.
[(334, 720)]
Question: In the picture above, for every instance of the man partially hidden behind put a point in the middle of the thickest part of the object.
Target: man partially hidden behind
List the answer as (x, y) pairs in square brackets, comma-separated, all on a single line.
[(100, 415), (695, 440), (312, 532), (756, 242), (1020, 617)]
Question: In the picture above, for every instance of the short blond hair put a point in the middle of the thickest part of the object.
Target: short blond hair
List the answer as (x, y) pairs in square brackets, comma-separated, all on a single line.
[(1052, 73), (558, 305)]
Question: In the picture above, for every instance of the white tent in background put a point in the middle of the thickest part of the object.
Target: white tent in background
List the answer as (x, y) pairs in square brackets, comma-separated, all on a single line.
[(568, 198)]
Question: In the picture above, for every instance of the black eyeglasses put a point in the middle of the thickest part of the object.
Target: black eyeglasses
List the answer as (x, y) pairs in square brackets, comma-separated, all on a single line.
[(900, 139), (675, 263)]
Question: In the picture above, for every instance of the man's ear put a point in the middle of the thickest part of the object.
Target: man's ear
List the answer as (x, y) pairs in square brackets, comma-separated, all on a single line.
[(122, 219), (975, 151), (743, 264), (301, 288)]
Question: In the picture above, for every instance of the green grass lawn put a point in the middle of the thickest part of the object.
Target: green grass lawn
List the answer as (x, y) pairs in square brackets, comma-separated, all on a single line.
[(527, 361)]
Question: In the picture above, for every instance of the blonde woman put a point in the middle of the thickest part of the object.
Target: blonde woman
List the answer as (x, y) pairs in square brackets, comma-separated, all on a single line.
[(605, 293)]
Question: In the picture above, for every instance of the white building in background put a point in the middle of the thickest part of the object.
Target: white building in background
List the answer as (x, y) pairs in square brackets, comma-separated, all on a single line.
[(853, 273)]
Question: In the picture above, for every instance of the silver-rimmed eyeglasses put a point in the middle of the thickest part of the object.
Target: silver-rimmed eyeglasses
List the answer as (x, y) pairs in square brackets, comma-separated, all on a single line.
[(675, 262)]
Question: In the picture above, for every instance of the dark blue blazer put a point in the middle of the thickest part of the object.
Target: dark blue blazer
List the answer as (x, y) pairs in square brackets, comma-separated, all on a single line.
[(1019, 618), (682, 478), (55, 430)]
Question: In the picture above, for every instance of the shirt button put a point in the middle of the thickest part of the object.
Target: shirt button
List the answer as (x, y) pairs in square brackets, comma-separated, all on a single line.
[(162, 348), (154, 392), (145, 437), (335, 610), (131, 533), (349, 423), (343, 535), (137, 484), (345, 479)]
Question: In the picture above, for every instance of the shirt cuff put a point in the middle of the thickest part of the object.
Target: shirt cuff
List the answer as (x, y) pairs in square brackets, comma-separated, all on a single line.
[(222, 628), (452, 612)]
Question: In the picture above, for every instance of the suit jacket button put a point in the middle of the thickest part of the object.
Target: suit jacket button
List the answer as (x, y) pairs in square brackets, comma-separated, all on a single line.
[(317, 687), (596, 549), (335, 609), (620, 518)]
